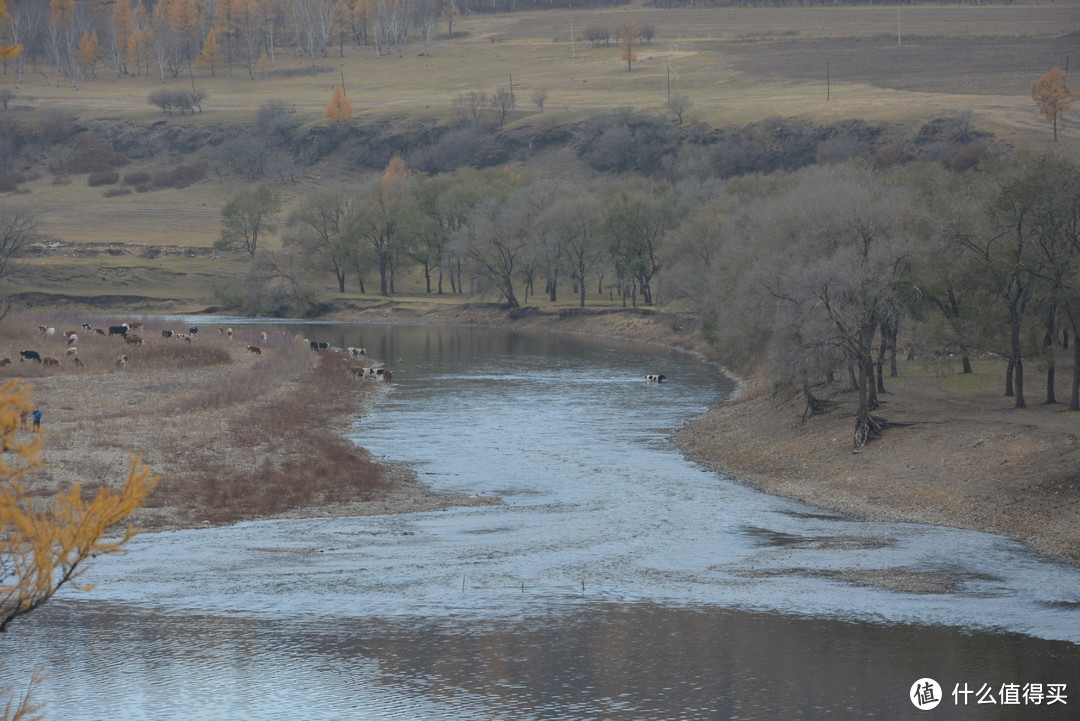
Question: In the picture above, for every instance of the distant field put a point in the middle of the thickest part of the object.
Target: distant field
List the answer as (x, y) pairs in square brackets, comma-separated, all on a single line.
[(736, 65), (771, 58)]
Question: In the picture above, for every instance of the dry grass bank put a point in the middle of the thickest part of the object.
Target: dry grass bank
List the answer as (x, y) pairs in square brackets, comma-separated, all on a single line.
[(964, 457), (232, 435), (236, 436)]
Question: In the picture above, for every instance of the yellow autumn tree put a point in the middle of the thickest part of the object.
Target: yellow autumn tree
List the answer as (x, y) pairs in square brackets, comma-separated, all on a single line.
[(122, 22), (340, 109), (211, 56), (46, 546), (1051, 94), (89, 52), (8, 51), (450, 15)]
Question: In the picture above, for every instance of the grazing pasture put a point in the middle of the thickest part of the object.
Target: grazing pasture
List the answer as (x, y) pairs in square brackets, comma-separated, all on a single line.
[(736, 65)]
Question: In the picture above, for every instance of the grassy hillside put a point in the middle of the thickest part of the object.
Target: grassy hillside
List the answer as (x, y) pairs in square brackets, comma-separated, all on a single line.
[(736, 65)]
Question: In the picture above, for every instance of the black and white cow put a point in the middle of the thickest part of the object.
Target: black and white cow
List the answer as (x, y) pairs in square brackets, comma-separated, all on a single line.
[(654, 378)]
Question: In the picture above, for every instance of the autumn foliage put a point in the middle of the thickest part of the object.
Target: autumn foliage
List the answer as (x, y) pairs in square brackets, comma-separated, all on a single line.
[(8, 51), (1051, 94), (45, 546), (340, 109)]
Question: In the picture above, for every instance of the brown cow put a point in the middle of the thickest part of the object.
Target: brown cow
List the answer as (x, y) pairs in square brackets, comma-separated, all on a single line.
[(77, 362), (134, 339), (50, 361), (5, 362), (121, 360)]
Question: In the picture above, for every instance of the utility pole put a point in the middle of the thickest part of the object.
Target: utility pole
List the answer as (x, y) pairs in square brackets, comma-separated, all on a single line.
[(572, 55)]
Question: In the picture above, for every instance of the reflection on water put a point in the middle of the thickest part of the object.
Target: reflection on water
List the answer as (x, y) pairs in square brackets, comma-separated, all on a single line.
[(617, 582), (572, 662)]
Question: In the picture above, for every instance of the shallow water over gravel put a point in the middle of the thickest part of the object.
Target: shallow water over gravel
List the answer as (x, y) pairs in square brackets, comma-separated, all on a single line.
[(617, 581)]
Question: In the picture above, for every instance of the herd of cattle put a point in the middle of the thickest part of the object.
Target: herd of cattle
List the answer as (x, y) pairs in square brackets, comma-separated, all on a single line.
[(130, 335)]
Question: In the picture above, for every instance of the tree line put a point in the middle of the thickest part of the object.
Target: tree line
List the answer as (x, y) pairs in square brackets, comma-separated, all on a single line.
[(835, 269), (824, 272), (467, 231), (75, 39)]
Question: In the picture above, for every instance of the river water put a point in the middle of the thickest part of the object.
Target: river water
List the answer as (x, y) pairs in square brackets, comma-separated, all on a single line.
[(615, 580)]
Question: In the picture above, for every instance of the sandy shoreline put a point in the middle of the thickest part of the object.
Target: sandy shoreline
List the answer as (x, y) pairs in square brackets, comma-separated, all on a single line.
[(966, 462)]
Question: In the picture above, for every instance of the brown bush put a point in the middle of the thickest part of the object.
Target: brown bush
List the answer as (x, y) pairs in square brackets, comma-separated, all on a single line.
[(104, 177), (137, 178), (179, 177)]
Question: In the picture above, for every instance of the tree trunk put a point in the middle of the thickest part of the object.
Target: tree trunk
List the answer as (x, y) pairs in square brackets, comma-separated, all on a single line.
[(1074, 395), (1018, 383), (1009, 393), (1048, 344)]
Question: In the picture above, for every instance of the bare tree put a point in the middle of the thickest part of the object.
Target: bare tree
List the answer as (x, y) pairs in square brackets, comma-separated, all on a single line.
[(539, 97), (471, 105), (502, 102), (498, 234), (318, 228), (246, 217), (17, 228), (679, 104), (576, 224)]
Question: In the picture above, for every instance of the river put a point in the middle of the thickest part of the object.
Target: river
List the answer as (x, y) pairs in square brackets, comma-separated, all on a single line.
[(616, 580)]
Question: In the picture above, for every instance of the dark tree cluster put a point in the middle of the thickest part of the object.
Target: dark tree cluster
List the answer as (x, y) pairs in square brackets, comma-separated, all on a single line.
[(173, 101)]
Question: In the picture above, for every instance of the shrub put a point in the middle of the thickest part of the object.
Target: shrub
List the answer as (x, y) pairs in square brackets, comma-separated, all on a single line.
[(114, 192), (177, 101), (179, 177), (104, 177), (90, 153), (137, 178), (597, 35), (274, 118)]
